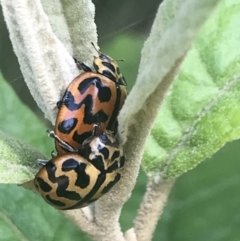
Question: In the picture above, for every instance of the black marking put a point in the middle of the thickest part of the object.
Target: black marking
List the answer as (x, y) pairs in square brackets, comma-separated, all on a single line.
[(100, 180), (68, 100), (82, 66), (111, 184), (66, 126), (109, 75), (112, 121), (98, 163), (113, 167), (105, 152), (69, 165), (109, 66), (44, 186), (86, 151), (104, 92), (90, 118), (83, 179), (82, 137), (115, 155), (62, 183), (122, 161), (55, 202)]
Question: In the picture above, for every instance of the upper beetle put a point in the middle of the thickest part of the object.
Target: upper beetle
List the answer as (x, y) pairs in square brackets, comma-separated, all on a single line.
[(91, 98)]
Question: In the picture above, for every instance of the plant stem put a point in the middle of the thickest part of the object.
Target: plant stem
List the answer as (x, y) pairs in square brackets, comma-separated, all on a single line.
[(151, 208)]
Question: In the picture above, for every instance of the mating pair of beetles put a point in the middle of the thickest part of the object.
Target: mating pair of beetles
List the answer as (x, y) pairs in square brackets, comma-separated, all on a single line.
[(89, 158)]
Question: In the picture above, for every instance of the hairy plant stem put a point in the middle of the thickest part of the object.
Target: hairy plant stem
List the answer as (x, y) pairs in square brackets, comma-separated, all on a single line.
[(151, 208), (137, 116)]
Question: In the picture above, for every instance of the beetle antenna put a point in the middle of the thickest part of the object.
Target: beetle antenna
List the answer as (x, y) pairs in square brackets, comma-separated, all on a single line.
[(119, 60), (96, 48)]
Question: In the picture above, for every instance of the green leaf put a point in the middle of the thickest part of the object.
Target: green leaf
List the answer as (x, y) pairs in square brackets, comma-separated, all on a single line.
[(23, 214), (204, 203), (202, 111), (117, 50), (18, 160), (19, 121)]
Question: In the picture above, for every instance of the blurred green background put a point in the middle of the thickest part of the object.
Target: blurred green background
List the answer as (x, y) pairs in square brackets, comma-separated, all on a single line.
[(204, 203)]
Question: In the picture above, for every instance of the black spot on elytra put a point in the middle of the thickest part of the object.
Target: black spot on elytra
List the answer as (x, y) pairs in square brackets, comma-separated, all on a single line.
[(115, 155), (83, 179), (105, 152), (82, 137), (111, 184), (68, 100), (104, 93), (109, 75), (44, 186), (90, 118), (113, 167), (98, 163), (55, 202), (87, 199), (122, 161), (87, 150), (109, 66), (69, 164), (66, 126), (62, 183)]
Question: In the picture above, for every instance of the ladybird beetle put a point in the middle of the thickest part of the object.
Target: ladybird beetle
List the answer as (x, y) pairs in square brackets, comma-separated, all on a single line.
[(74, 180), (91, 98)]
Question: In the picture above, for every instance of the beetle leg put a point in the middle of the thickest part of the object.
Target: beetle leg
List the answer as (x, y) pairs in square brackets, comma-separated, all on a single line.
[(53, 154), (94, 134), (60, 142), (82, 66)]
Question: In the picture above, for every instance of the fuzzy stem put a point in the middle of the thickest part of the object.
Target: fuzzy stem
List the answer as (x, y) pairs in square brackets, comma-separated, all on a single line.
[(109, 207), (107, 231), (151, 208)]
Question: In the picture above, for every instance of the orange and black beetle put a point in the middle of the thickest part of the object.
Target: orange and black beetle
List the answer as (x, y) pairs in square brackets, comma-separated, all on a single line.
[(91, 98), (74, 180)]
